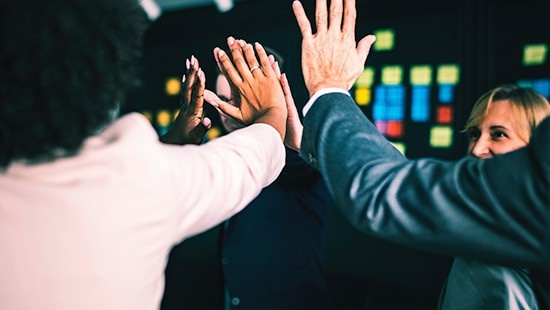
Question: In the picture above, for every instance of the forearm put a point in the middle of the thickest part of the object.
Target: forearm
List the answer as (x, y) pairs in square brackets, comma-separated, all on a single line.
[(276, 118), (450, 208)]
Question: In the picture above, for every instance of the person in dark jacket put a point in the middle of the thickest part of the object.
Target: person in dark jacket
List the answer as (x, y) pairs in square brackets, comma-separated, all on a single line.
[(272, 254)]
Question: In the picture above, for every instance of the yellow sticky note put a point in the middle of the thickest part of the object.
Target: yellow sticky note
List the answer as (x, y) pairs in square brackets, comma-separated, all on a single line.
[(213, 133), (366, 79), (400, 146), (421, 75), (392, 75), (385, 40), (441, 136), (363, 96), (172, 86), (535, 54), (163, 118), (448, 74)]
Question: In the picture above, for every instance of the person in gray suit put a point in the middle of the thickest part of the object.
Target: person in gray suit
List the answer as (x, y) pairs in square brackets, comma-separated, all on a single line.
[(496, 210)]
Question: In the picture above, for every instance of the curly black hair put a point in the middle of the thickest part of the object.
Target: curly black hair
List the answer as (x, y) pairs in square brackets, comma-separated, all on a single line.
[(66, 67)]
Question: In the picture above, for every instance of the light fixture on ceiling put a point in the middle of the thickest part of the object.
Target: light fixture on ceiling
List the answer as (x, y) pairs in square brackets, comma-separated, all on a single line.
[(223, 5), (150, 7)]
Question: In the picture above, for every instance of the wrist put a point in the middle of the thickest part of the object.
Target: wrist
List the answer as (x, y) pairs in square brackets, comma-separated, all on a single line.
[(276, 118), (334, 85)]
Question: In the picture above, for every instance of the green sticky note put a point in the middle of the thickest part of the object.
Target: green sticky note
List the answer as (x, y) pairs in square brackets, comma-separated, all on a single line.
[(441, 136), (400, 146), (448, 74), (366, 79), (392, 75), (385, 40), (535, 54), (421, 75)]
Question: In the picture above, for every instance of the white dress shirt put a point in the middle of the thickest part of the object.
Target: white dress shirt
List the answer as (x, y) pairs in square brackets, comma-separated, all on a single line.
[(93, 231)]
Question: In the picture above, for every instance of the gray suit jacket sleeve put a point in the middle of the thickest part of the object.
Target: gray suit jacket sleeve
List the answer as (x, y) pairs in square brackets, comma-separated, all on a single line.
[(496, 210)]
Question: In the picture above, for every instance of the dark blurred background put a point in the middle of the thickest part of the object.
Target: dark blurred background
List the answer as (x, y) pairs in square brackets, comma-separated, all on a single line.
[(433, 59)]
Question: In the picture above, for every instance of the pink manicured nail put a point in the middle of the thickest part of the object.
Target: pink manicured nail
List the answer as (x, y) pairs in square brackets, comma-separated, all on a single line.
[(187, 64), (230, 41), (221, 53), (192, 60), (183, 78)]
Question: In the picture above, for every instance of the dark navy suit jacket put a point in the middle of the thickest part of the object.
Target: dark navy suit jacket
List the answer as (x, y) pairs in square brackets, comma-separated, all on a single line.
[(495, 210), (272, 251)]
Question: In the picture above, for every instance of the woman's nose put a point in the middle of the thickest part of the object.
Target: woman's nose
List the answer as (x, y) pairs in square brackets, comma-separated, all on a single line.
[(481, 148)]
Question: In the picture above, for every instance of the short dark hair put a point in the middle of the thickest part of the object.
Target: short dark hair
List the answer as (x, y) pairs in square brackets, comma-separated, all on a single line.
[(66, 66)]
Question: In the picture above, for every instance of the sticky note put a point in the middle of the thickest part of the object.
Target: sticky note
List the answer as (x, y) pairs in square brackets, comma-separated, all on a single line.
[(392, 75), (421, 75), (366, 79), (441, 136), (362, 96), (172, 86), (385, 40), (448, 74), (535, 54)]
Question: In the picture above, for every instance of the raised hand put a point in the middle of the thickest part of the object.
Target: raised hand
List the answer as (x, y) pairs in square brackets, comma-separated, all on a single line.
[(330, 57), (256, 91), (190, 125), (294, 127)]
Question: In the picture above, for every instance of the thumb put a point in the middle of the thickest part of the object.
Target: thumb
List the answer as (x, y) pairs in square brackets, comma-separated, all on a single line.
[(212, 98), (363, 48), (197, 134), (222, 106)]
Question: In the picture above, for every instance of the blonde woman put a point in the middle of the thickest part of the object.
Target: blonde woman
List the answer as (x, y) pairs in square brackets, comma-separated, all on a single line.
[(501, 121)]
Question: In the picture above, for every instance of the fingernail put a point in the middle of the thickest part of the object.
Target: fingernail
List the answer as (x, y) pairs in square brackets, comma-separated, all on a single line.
[(192, 59), (187, 64), (249, 45), (200, 72), (242, 43), (258, 45), (183, 78), (221, 53), (230, 41)]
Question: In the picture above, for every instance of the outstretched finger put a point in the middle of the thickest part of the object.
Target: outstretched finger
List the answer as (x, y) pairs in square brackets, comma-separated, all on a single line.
[(226, 67), (189, 80), (237, 54), (335, 21), (301, 18), (250, 57), (196, 104), (276, 68), (222, 106), (286, 90), (231, 111), (363, 47), (264, 59), (350, 15), (321, 15)]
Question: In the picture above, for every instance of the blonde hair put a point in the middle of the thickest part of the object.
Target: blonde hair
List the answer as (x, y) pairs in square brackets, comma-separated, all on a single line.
[(529, 108)]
